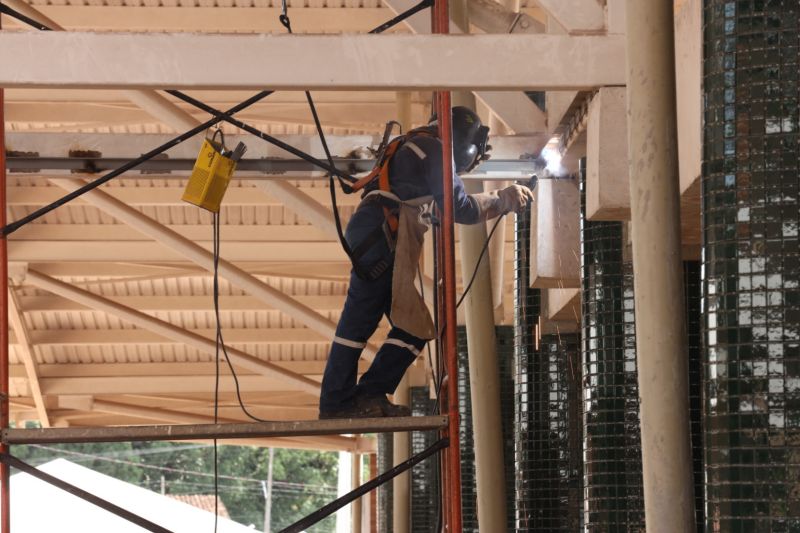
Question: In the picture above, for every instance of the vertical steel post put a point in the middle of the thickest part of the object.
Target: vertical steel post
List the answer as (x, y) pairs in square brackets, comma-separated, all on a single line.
[(441, 24), (661, 341), (5, 482)]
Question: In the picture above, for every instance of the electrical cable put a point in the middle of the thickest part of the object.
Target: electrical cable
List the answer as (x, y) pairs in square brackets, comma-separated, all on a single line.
[(220, 339), (215, 227), (480, 258), (96, 457)]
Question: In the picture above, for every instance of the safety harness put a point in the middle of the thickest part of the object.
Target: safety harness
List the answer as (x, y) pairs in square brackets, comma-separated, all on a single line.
[(381, 173), (376, 186)]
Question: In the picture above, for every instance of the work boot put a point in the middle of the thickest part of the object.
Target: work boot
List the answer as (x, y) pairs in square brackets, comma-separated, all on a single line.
[(358, 410), (387, 408)]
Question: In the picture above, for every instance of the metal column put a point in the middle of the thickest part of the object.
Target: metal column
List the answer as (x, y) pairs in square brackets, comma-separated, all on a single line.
[(658, 277)]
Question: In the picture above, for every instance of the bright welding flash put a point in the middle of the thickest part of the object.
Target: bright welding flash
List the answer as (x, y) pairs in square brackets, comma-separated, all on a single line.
[(553, 158)]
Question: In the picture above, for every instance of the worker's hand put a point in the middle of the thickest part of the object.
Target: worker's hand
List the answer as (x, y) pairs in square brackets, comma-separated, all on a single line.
[(514, 198)]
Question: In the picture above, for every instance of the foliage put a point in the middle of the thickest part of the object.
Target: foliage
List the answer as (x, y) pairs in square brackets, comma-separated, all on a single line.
[(303, 481)]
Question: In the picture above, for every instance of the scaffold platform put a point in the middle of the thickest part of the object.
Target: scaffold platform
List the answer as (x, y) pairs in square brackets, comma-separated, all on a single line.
[(301, 428)]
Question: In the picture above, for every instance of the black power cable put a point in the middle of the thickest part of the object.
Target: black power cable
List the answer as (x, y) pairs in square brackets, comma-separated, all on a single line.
[(478, 263)]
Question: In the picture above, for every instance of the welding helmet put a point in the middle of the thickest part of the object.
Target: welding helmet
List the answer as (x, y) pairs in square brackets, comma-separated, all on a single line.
[(470, 138)]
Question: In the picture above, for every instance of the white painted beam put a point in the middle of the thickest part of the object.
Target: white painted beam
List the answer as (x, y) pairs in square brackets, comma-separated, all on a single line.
[(286, 62), (366, 115), (607, 182), (159, 18), (167, 330), (290, 254), (121, 272), (202, 257), (555, 235), (576, 15), (248, 336), (28, 356), (143, 251), (196, 233), (105, 385), (516, 111), (161, 196), (177, 303), (177, 370), (302, 204), (562, 304)]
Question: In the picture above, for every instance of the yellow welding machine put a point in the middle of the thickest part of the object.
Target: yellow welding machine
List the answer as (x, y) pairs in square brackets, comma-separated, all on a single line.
[(211, 173)]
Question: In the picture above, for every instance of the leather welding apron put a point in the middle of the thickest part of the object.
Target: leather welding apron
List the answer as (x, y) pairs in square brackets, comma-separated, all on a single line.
[(408, 311)]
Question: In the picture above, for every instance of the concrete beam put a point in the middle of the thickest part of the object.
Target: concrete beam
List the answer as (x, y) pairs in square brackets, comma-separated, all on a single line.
[(555, 235), (319, 62), (689, 86), (607, 191), (562, 304), (576, 15)]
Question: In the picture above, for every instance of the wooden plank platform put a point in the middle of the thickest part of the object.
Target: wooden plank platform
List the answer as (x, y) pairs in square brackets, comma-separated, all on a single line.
[(223, 431)]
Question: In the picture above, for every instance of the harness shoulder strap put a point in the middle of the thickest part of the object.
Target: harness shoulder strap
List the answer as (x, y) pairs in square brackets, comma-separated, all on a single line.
[(381, 168)]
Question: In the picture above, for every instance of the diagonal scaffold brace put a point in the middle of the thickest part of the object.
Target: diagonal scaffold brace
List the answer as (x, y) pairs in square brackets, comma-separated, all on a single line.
[(372, 484), (12, 461)]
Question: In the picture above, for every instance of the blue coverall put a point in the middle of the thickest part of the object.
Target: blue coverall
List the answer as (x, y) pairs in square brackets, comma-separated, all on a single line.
[(414, 171)]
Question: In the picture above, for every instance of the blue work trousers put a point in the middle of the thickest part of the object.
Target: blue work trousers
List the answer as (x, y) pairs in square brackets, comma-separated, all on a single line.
[(367, 301)]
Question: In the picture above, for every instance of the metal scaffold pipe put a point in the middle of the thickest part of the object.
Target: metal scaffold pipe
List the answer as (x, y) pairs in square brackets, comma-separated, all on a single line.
[(661, 341), (441, 25), (5, 481)]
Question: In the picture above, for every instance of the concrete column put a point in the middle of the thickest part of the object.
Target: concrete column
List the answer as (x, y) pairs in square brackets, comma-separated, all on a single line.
[(401, 503), (658, 278), (355, 508), (401, 493), (481, 344), (484, 379)]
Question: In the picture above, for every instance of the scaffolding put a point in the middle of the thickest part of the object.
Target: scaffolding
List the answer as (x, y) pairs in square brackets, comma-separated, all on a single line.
[(446, 424)]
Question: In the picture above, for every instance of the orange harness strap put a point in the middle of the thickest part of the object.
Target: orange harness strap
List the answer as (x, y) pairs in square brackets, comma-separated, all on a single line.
[(381, 171)]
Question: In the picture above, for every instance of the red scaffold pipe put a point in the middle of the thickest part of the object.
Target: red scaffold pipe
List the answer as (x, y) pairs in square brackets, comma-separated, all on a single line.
[(5, 471), (441, 25)]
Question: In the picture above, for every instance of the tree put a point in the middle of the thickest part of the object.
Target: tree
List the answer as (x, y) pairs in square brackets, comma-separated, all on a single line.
[(303, 481)]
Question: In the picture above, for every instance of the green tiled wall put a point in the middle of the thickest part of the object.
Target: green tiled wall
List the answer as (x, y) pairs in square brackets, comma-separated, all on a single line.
[(751, 264)]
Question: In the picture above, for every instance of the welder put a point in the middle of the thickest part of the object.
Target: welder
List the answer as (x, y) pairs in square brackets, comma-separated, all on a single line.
[(385, 236)]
